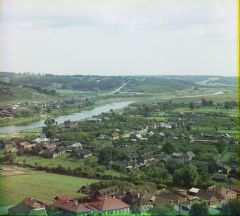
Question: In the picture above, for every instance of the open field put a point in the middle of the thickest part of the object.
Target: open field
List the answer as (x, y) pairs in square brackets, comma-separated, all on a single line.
[(42, 186), (208, 110), (63, 160)]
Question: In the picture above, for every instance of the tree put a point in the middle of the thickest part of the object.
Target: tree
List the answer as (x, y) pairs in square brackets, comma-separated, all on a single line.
[(231, 208), (168, 147), (49, 130), (49, 122), (187, 176), (106, 154), (199, 209), (163, 210), (204, 178), (188, 128), (191, 105), (157, 174), (10, 158)]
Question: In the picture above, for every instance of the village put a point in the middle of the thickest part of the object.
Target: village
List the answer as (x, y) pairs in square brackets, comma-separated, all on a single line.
[(165, 150)]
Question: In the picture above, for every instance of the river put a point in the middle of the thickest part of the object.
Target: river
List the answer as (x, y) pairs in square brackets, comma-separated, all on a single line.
[(72, 117)]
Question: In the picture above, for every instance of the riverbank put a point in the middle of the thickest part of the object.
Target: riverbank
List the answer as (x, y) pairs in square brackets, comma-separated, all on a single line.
[(13, 121), (62, 118)]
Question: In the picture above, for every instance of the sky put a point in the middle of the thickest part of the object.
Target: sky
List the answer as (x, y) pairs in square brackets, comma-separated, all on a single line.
[(118, 37)]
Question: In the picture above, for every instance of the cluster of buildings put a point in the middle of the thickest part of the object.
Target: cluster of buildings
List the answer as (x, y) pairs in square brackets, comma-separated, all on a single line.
[(5, 112), (113, 200), (65, 205)]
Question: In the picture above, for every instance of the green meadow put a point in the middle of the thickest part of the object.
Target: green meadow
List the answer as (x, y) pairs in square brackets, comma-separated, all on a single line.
[(42, 186)]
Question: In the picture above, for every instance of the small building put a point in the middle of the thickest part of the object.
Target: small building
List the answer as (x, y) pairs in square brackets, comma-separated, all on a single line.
[(145, 158), (224, 192), (52, 152), (112, 191), (65, 205), (26, 145), (184, 157), (144, 200), (41, 139), (81, 153), (201, 165), (28, 206), (219, 177), (115, 135), (86, 189), (223, 168), (106, 205), (210, 197)]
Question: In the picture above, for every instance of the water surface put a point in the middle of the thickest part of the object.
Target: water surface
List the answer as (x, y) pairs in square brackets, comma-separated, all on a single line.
[(61, 119)]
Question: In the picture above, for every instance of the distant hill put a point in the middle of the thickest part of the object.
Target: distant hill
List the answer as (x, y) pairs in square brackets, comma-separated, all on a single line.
[(110, 83), (12, 93)]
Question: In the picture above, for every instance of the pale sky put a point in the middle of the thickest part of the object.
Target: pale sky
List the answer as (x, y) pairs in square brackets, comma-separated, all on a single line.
[(118, 37)]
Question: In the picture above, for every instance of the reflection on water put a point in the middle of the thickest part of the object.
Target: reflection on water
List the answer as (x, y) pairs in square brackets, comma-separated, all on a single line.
[(71, 117)]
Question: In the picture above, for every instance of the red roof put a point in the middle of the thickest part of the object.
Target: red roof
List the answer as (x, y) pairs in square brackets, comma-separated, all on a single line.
[(106, 203), (70, 205), (235, 188), (102, 203), (115, 134), (63, 198), (33, 203), (24, 143)]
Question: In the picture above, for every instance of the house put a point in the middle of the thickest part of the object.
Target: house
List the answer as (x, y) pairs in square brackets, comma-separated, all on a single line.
[(74, 146), (126, 134), (52, 152), (26, 145), (199, 194), (138, 136), (112, 191), (201, 165), (162, 134), (193, 191), (223, 168), (65, 205), (86, 189), (169, 197), (165, 125), (81, 153), (50, 146), (115, 135), (106, 205), (210, 197), (144, 200), (188, 156), (145, 157), (41, 139), (10, 146), (184, 157), (236, 189), (225, 192), (28, 206), (219, 177), (190, 138)]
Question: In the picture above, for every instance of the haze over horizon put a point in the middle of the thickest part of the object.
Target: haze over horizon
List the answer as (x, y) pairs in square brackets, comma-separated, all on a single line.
[(119, 37)]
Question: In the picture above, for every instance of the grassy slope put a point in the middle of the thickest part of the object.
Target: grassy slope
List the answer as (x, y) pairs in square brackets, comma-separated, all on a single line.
[(42, 186), (64, 160), (22, 94)]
